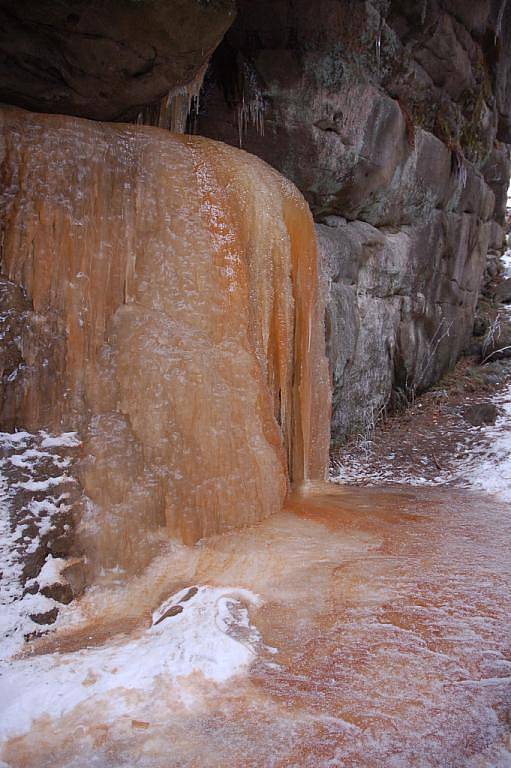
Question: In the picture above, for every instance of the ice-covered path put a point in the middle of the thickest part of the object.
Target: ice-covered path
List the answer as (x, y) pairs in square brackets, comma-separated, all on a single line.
[(363, 627), (368, 628)]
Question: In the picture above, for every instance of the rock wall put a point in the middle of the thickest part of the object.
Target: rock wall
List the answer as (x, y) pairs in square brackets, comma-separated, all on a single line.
[(393, 120)]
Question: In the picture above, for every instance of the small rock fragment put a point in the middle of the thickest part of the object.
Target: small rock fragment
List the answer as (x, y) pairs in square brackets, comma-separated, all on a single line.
[(48, 617), (172, 611), (191, 593), (60, 591)]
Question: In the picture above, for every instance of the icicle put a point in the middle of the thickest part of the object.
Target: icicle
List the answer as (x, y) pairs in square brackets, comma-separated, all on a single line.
[(378, 47), (250, 110), (174, 110), (500, 18), (424, 11), (459, 168)]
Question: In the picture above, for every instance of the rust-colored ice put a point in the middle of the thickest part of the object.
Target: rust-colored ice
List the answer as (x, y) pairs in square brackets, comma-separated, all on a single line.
[(390, 615), (174, 288)]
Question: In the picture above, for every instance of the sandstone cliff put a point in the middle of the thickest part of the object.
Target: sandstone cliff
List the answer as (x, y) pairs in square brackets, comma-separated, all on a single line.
[(104, 59)]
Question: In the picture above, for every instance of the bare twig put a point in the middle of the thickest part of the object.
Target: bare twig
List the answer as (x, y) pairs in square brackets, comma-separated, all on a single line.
[(436, 462), (495, 352)]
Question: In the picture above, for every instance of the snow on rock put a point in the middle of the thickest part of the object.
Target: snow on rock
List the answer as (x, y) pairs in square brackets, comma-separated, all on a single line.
[(35, 496), (50, 573), (506, 263), (66, 439)]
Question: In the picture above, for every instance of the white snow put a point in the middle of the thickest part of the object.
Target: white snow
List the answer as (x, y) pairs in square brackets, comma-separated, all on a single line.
[(50, 572), (65, 440), (23, 454), (506, 262), (489, 468), (208, 637), (17, 439), (43, 485)]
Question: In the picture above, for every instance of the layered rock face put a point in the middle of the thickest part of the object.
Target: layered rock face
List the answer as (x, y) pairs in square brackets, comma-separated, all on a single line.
[(163, 300), (104, 60), (392, 118)]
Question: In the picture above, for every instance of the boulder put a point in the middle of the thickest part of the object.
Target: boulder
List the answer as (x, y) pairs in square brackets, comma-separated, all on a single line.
[(480, 414), (104, 59), (174, 610), (46, 617), (503, 291), (60, 591)]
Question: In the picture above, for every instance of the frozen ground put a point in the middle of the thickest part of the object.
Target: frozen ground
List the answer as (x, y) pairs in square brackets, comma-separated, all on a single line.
[(209, 634), (370, 628), (482, 460), (202, 630)]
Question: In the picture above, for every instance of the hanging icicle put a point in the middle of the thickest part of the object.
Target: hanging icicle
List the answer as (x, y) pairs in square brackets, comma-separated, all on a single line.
[(500, 18), (424, 11), (250, 108), (174, 110), (378, 46)]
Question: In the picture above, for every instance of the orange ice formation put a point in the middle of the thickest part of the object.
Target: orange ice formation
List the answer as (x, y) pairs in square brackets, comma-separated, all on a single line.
[(175, 296)]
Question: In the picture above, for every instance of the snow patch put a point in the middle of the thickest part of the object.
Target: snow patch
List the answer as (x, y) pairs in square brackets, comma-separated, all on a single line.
[(211, 636), (65, 440), (43, 485), (506, 263), (489, 468), (50, 573)]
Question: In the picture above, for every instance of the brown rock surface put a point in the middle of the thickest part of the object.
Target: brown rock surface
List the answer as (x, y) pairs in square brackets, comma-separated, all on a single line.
[(104, 60)]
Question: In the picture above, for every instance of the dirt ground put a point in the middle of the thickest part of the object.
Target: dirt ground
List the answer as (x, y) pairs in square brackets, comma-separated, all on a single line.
[(426, 440)]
